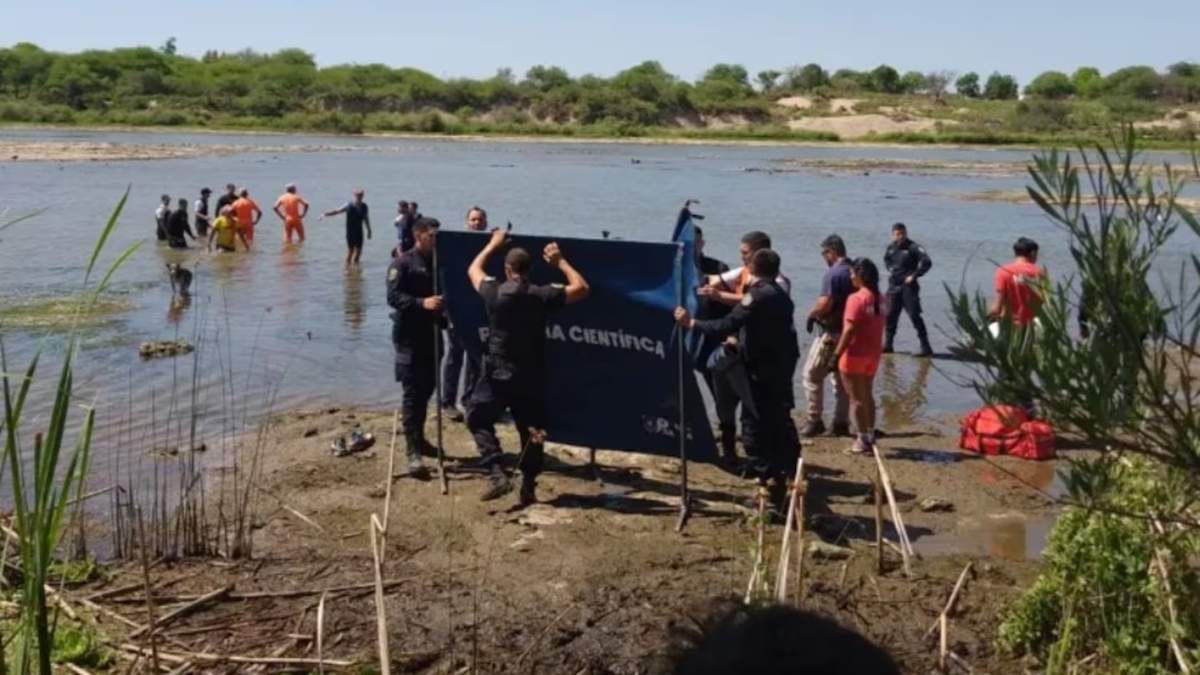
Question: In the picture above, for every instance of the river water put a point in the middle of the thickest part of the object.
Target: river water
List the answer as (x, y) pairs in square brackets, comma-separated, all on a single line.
[(297, 328)]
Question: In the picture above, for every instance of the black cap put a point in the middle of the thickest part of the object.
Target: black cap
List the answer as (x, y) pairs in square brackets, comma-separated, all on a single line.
[(205, 191)]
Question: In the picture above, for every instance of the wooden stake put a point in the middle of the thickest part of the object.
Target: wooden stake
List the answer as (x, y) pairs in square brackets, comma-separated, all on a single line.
[(758, 554), (387, 493), (962, 578), (321, 634), (942, 645), (905, 546), (149, 598), (385, 661), (878, 523), (802, 552), (785, 548)]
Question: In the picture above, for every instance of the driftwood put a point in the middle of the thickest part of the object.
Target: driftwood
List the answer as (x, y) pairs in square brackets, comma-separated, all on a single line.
[(321, 634), (387, 492), (185, 609)]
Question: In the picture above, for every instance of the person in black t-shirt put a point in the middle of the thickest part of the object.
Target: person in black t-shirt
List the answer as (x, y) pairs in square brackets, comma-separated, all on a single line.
[(514, 359), (178, 226)]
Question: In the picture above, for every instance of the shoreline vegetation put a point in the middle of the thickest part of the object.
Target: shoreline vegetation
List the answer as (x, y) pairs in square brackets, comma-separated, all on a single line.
[(286, 91)]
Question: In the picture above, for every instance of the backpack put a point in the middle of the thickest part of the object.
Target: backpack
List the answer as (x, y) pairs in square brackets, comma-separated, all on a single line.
[(1006, 430)]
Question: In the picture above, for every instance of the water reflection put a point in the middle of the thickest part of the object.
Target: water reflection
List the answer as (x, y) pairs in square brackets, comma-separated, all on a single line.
[(352, 295), (902, 398), (291, 278), (178, 308)]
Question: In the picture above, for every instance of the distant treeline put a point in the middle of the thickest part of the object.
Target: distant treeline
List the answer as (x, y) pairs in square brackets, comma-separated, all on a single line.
[(144, 85)]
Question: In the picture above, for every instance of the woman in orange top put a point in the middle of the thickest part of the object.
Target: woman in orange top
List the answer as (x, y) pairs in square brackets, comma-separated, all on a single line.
[(860, 348)]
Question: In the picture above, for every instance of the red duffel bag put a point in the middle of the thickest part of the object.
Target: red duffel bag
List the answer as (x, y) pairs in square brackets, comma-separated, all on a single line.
[(1006, 430)]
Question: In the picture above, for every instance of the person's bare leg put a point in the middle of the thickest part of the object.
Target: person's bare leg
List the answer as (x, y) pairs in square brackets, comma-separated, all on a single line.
[(868, 397), (357, 254)]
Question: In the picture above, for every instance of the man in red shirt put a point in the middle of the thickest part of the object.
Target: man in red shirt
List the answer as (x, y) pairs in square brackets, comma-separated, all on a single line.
[(1019, 285)]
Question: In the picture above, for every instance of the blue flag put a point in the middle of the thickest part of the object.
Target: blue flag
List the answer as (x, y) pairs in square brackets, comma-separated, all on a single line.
[(612, 365)]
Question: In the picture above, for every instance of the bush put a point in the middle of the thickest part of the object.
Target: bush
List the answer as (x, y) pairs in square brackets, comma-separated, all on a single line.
[(1051, 84)]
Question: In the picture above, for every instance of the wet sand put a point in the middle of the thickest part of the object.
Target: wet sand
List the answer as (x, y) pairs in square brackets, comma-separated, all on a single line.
[(594, 578), (96, 151)]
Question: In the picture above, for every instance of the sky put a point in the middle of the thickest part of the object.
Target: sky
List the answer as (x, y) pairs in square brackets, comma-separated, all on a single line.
[(473, 39)]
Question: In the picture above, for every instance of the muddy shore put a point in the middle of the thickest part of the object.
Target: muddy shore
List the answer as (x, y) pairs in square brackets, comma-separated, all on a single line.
[(593, 579)]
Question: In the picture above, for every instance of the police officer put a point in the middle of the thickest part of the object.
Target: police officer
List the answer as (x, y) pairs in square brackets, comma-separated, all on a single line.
[(906, 261), (457, 361), (768, 343), (724, 399), (514, 359), (416, 331)]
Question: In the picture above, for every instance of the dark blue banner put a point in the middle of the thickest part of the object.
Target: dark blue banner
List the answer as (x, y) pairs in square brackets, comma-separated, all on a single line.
[(612, 360)]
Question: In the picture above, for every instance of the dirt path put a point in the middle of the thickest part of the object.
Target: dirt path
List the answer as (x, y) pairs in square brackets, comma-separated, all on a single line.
[(594, 578)]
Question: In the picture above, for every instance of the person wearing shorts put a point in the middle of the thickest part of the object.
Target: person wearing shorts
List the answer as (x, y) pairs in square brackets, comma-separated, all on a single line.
[(248, 214), (860, 347), (291, 209), (357, 217)]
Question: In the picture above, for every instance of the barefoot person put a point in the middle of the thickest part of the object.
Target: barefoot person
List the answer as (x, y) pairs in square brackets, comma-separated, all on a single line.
[(248, 214), (357, 217), (224, 233), (514, 360), (291, 209), (860, 348)]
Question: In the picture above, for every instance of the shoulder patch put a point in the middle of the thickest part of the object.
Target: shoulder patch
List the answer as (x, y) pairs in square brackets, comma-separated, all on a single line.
[(393, 272), (559, 286), (489, 278), (747, 300)]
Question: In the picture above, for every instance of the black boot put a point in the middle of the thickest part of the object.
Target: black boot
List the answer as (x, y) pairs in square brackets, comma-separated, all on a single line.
[(527, 496), (887, 343), (498, 485), (926, 349)]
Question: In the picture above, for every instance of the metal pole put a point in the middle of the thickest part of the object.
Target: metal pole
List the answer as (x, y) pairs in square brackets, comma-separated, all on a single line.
[(437, 377), (684, 499)]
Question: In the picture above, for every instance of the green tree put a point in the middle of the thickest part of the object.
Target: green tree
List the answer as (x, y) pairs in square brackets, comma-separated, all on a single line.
[(807, 78), (168, 47), (73, 82), (767, 80), (885, 79), (847, 79), (1051, 84), (1141, 82), (1088, 82), (727, 72), (912, 82), (936, 82), (546, 78), (1000, 87), (968, 85), (1182, 82)]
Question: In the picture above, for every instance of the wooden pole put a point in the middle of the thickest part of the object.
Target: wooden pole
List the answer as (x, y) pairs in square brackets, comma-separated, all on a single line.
[(785, 549), (905, 546), (878, 523), (387, 492), (385, 661), (437, 378), (321, 633)]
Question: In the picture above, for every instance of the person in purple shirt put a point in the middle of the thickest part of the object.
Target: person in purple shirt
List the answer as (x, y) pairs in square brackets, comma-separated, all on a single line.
[(821, 361)]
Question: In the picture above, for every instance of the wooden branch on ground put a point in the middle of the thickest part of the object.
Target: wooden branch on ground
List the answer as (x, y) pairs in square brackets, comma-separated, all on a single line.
[(248, 660), (186, 609), (387, 493), (962, 578), (321, 634), (385, 661), (785, 548), (257, 595)]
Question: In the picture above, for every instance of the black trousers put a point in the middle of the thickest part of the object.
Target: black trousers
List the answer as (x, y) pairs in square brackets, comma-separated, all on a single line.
[(906, 298), (452, 366), (491, 397), (416, 373), (770, 435)]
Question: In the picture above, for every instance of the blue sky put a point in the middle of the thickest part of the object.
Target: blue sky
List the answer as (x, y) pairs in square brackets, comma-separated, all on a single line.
[(449, 38)]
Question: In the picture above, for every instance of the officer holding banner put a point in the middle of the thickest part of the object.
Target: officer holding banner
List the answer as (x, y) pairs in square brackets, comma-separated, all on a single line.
[(514, 359), (414, 332), (767, 342)]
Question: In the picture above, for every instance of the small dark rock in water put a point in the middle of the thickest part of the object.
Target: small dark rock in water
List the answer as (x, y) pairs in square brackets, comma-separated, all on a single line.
[(16, 157), (309, 433), (162, 348)]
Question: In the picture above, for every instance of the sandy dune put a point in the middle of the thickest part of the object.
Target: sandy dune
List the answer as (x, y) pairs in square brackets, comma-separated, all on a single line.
[(849, 127)]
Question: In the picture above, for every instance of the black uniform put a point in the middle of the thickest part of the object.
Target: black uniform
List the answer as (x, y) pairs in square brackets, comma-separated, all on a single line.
[(223, 201), (177, 227), (415, 333), (770, 348), (514, 368), (202, 217), (905, 259)]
